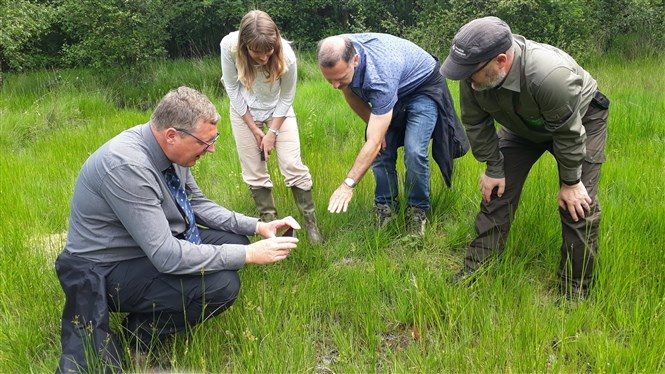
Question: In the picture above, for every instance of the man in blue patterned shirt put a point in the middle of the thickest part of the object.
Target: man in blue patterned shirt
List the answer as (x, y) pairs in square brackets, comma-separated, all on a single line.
[(394, 86)]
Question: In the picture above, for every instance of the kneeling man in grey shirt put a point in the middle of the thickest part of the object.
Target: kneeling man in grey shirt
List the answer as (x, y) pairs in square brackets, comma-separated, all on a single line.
[(143, 239)]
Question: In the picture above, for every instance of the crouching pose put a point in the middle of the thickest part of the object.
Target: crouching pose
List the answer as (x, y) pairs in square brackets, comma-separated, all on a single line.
[(144, 240)]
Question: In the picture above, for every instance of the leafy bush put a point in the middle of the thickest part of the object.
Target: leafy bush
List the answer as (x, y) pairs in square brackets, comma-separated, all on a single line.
[(114, 32), (631, 28), (567, 24), (128, 32), (306, 22), (22, 25), (196, 27)]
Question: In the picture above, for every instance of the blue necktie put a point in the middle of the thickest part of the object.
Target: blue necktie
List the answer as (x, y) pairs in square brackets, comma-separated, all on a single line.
[(173, 182)]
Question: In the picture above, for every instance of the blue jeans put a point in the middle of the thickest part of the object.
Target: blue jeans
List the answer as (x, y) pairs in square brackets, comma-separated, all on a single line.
[(421, 115)]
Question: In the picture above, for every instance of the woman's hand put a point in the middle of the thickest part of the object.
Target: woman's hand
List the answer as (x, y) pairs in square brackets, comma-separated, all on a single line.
[(268, 143), (258, 135)]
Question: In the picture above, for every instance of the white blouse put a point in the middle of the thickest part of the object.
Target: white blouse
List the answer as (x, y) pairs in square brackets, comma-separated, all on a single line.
[(265, 99)]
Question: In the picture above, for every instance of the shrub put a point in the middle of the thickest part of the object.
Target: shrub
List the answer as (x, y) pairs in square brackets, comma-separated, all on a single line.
[(38, 33), (22, 25), (113, 32)]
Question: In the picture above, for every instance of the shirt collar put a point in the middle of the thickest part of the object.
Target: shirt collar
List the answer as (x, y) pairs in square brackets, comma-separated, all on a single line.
[(154, 150), (359, 70), (513, 79)]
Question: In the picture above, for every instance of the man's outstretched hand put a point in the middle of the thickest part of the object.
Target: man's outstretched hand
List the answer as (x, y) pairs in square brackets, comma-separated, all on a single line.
[(339, 201)]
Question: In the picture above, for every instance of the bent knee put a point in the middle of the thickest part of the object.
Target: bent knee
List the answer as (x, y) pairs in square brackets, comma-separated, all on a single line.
[(234, 238), (224, 288), (415, 154), (242, 239)]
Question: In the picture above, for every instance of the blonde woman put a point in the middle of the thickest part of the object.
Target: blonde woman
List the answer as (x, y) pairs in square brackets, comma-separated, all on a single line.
[(259, 73)]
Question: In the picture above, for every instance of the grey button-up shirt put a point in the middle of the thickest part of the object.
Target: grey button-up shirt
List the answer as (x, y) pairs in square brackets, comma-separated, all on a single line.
[(543, 99), (122, 209)]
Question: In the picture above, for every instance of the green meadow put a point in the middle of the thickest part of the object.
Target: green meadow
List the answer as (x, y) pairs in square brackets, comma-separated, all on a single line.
[(365, 300)]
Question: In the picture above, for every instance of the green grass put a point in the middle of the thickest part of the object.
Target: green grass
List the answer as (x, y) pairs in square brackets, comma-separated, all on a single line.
[(366, 300)]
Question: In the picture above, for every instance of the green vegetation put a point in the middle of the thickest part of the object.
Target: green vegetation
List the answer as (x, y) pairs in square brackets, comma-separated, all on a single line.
[(366, 300), (101, 33)]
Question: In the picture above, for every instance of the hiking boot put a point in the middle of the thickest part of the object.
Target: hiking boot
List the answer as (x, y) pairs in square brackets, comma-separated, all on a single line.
[(415, 221), (384, 213), (462, 276), (573, 292)]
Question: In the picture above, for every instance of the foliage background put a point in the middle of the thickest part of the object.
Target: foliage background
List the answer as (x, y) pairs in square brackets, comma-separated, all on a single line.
[(99, 33)]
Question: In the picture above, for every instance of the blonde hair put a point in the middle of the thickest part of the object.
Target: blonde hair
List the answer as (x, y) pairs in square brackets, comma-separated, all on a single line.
[(259, 33)]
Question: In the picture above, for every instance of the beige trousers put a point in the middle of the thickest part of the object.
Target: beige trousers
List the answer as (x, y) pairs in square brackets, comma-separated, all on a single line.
[(287, 148)]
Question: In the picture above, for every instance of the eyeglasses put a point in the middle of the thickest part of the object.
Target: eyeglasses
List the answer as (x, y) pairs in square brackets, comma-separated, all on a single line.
[(481, 67), (207, 143)]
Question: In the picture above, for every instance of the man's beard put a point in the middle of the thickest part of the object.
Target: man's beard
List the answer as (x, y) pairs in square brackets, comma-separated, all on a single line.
[(492, 82)]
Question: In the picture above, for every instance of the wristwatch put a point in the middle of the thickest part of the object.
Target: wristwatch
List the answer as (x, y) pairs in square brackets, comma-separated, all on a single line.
[(350, 182), (276, 132)]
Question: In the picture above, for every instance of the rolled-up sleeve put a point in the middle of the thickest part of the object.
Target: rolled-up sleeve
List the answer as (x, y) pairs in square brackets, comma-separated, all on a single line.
[(480, 130), (138, 207), (559, 97), (230, 74)]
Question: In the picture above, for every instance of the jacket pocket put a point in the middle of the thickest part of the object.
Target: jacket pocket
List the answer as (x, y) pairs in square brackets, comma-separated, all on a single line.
[(595, 124)]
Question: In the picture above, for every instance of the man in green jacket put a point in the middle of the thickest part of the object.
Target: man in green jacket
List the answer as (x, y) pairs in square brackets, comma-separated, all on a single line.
[(544, 101)]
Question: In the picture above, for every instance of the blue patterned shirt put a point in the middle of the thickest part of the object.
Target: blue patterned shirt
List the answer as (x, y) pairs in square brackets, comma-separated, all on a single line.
[(389, 68)]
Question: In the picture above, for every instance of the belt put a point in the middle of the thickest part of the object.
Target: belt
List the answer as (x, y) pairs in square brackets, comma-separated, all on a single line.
[(600, 101)]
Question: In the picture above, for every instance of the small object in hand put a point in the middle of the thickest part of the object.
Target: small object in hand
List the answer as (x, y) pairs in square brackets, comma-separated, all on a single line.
[(290, 232), (263, 156)]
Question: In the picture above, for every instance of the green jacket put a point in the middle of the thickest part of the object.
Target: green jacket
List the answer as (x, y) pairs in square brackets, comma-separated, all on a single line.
[(543, 99)]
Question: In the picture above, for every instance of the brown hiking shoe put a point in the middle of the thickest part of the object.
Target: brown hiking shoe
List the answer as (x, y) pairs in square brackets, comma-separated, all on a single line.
[(573, 292), (463, 276), (415, 221), (384, 214)]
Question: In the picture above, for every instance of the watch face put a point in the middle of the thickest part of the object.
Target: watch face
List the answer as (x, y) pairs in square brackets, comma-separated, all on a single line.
[(349, 182)]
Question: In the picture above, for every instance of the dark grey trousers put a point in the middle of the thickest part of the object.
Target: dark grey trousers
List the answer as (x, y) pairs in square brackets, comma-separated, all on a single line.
[(579, 239), (158, 304)]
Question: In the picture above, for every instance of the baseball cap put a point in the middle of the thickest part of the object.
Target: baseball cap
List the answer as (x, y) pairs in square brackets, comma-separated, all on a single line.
[(477, 41)]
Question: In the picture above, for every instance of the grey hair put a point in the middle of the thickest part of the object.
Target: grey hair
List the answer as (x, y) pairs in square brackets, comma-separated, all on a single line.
[(183, 108), (511, 50), (331, 50)]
